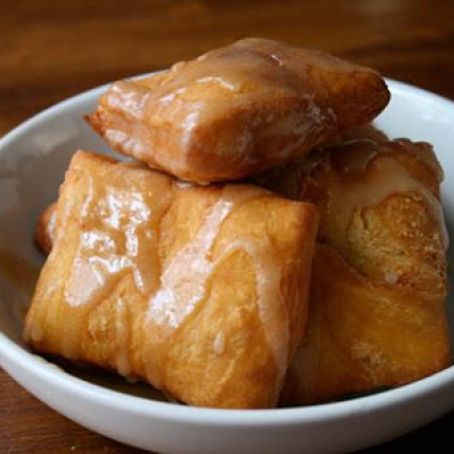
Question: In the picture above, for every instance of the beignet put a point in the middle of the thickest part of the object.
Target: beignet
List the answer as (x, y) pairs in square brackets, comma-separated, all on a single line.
[(377, 309), (237, 110), (202, 291)]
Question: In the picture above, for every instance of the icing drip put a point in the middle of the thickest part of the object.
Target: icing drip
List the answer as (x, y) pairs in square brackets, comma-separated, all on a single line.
[(117, 238), (375, 174), (51, 225), (104, 255), (122, 328), (269, 300), (132, 102), (219, 343), (184, 279)]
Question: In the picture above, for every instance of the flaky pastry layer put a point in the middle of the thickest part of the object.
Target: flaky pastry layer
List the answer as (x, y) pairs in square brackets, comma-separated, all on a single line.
[(201, 291)]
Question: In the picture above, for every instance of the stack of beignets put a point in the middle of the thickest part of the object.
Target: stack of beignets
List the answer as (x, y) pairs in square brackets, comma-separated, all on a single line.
[(203, 291)]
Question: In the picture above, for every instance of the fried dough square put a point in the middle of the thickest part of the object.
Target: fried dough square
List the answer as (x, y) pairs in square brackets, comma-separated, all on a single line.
[(238, 110), (377, 314), (201, 291)]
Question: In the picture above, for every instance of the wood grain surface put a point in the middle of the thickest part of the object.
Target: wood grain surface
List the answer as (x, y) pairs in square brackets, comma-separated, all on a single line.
[(54, 49)]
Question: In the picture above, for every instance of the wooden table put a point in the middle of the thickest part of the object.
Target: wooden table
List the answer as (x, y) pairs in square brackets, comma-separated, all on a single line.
[(52, 49)]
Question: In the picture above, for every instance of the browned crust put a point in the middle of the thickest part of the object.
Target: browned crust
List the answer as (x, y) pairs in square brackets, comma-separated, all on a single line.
[(44, 232)]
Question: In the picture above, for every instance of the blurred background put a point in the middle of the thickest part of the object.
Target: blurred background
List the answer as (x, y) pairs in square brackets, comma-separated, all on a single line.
[(54, 49)]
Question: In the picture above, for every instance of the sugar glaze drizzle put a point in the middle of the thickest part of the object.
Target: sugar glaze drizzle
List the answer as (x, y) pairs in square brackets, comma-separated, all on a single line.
[(184, 279), (385, 176)]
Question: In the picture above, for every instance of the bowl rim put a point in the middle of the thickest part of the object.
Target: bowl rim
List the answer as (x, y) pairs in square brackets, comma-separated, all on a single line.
[(13, 353)]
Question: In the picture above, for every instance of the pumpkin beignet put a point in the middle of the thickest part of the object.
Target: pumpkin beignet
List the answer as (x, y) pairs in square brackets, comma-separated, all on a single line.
[(237, 110), (377, 308), (202, 291)]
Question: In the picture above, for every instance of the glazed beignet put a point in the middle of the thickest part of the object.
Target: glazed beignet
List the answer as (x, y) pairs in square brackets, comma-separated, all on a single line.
[(202, 291), (237, 110), (377, 309)]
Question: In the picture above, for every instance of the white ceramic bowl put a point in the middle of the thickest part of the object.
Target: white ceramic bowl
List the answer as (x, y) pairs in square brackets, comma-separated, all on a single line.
[(33, 159)]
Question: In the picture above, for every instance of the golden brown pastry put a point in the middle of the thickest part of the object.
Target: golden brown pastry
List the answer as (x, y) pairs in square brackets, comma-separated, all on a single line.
[(237, 110), (44, 233), (377, 310), (202, 291)]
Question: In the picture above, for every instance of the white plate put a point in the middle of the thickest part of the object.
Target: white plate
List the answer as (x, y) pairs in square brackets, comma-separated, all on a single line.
[(33, 158)]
